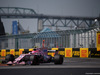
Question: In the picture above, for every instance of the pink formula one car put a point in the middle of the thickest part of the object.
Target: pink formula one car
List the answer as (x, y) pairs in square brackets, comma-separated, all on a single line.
[(34, 58)]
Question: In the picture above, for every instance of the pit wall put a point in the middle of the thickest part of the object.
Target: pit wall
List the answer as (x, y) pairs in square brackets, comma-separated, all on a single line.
[(66, 52)]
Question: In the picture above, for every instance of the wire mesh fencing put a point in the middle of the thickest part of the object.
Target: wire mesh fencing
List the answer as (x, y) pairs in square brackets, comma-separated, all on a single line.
[(62, 39)]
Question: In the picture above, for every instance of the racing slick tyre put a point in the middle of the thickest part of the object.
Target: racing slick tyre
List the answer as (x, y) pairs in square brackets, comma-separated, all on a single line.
[(9, 57), (58, 59), (35, 60), (26, 59)]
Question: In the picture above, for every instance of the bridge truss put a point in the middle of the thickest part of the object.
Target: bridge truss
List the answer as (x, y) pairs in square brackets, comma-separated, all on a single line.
[(76, 38), (49, 20)]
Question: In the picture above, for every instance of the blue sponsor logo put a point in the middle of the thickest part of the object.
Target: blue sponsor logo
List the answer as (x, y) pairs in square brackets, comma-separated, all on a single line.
[(14, 28)]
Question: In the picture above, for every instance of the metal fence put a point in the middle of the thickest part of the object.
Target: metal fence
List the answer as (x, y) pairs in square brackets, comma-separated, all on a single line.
[(68, 39)]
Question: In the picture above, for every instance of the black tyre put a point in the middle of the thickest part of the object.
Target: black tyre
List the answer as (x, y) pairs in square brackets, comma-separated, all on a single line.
[(9, 57), (58, 59), (35, 60), (25, 59)]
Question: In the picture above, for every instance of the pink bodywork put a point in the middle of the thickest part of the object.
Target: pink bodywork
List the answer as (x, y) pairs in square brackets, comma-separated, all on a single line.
[(37, 52), (16, 61)]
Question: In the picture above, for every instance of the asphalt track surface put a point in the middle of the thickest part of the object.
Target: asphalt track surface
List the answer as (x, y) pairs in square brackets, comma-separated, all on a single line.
[(71, 66)]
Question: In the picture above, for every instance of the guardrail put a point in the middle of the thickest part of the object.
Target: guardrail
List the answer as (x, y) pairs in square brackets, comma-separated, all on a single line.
[(66, 52), (79, 52)]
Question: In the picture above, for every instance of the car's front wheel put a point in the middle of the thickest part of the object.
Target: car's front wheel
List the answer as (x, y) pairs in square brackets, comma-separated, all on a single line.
[(35, 60), (9, 57)]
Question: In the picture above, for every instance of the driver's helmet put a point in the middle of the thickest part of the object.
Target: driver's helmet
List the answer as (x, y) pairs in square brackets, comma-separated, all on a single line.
[(35, 48)]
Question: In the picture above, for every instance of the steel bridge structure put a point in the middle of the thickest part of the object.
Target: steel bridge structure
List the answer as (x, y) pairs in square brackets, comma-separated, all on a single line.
[(82, 33), (48, 20)]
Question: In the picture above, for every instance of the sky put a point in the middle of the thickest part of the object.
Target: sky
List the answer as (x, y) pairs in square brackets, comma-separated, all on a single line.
[(83, 8)]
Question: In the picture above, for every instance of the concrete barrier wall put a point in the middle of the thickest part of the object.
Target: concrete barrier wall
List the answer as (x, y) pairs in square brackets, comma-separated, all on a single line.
[(79, 52), (66, 52)]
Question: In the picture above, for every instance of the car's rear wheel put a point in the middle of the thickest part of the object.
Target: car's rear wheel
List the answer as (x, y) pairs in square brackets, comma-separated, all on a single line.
[(10, 57), (58, 59), (35, 60)]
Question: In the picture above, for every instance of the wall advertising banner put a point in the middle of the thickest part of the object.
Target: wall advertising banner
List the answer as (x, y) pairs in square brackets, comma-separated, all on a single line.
[(21, 51), (83, 52), (12, 51), (3, 52), (98, 39), (68, 52)]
